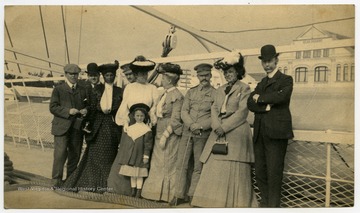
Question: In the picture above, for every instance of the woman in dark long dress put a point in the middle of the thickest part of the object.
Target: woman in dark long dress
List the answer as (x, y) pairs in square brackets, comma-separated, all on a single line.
[(94, 168)]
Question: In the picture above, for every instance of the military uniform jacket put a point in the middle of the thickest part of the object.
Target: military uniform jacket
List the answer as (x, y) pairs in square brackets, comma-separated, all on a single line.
[(62, 100), (197, 109), (276, 92)]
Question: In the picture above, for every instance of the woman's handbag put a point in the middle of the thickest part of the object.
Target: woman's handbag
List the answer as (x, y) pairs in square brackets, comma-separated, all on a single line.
[(220, 146)]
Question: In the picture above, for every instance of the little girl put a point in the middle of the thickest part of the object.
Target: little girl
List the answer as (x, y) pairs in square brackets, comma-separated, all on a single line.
[(135, 148)]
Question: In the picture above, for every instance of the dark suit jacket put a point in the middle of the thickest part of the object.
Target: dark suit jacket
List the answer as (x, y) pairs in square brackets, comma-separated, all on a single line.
[(276, 92), (62, 100), (95, 110)]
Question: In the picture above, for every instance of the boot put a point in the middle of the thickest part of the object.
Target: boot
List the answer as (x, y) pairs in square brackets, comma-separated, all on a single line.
[(133, 192), (138, 193)]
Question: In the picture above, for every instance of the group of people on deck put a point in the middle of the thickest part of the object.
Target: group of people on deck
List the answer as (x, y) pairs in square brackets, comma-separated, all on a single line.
[(160, 146)]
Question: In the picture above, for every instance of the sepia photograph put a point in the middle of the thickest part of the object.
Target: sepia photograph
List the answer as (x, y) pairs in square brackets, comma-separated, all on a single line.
[(179, 106)]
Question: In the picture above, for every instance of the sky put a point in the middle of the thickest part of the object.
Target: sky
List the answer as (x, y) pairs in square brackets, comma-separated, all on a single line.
[(103, 33)]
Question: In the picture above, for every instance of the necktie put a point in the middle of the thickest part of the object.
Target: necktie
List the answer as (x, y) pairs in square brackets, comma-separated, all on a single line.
[(73, 88)]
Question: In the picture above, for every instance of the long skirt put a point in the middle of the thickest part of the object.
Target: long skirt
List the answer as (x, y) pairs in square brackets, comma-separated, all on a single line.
[(224, 184), (94, 167), (160, 184)]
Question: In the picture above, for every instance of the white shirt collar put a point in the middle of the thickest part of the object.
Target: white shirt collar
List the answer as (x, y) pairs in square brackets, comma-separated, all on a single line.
[(69, 83), (270, 75)]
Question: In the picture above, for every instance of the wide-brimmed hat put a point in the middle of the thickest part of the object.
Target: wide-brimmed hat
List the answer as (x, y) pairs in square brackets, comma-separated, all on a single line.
[(105, 68), (92, 69), (268, 52), (171, 68), (142, 65), (143, 107), (72, 68)]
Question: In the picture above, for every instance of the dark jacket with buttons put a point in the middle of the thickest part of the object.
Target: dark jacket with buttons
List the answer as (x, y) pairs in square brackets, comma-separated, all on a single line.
[(276, 92)]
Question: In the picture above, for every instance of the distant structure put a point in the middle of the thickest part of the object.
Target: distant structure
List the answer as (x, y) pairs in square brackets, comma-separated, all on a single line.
[(329, 66)]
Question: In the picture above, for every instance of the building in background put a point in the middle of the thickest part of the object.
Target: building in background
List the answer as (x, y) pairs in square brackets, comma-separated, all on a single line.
[(311, 67)]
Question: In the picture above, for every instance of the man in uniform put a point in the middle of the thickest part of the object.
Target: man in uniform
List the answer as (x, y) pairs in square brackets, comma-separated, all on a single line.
[(272, 126), (68, 105), (196, 115)]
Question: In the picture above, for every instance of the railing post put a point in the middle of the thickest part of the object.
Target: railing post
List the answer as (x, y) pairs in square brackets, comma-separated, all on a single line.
[(328, 175)]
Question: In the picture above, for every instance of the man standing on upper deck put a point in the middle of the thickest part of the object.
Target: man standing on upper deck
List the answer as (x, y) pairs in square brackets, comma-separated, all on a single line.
[(272, 127)]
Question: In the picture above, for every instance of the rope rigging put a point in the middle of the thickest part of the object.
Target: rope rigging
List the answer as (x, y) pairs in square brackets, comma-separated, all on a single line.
[(276, 28), (81, 17), (7, 32), (65, 35), (44, 33)]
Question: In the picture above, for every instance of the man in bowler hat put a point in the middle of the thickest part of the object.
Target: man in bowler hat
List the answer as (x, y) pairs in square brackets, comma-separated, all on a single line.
[(93, 80), (196, 115), (272, 126), (67, 104)]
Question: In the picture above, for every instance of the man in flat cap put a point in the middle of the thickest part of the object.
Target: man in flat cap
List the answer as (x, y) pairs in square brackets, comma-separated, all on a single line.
[(68, 104), (272, 126), (196, 115)]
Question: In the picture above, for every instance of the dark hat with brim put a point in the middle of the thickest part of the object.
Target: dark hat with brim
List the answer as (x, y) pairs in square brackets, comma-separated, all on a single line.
[(72, 68), (204, 67), (142, 66), (268, 52), (143, 107), (170, 68), (105, 68), (92, 69)]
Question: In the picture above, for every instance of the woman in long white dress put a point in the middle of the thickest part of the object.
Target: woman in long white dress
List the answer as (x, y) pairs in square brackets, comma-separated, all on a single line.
[(138, 92)]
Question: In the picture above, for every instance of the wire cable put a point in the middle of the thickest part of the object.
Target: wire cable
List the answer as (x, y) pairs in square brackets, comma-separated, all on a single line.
[(66, 43), (276, 28), (81, 17), (11, 43), (44, 33)]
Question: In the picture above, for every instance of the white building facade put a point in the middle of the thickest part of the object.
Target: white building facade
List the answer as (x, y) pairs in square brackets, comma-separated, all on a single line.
[(319, 66)]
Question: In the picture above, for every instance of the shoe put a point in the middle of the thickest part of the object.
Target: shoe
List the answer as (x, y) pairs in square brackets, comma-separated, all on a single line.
[(133, 192), (58, 184), (190, 199), (176, 201), (138, 193)]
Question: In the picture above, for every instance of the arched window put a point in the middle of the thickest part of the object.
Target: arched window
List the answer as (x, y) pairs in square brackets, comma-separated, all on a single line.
[(285, 70), (321, 74), (345, 73), (338, 72), (301, 74), (352, 72)]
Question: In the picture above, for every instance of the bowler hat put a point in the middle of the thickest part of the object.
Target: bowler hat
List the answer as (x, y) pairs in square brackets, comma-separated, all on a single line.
[(92, 69), (203, 67), (145, 108), (171, 68), (268, 52), (105, 68), (72, 68)]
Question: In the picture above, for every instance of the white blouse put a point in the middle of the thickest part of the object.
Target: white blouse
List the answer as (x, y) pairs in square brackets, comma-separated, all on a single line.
[(135, 93)]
